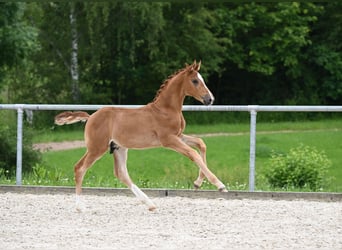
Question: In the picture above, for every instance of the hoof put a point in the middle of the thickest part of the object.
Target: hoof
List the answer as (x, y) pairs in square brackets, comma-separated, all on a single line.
[(152, 208), (80, 208), (196, 187), (223, 190)]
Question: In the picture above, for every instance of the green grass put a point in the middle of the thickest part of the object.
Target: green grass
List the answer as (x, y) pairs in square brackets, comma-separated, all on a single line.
[(75, 131), (227, 156)]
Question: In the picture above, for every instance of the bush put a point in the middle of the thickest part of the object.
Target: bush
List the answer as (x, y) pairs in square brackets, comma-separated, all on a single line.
[(302, 167), (8, 152)]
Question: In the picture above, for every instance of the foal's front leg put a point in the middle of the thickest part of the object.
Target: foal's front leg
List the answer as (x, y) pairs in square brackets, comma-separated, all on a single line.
[(176, 143), (200, 145), (120, 171)]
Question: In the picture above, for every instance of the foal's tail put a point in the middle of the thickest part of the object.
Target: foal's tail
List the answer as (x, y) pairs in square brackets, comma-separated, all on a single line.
[(69, 117)]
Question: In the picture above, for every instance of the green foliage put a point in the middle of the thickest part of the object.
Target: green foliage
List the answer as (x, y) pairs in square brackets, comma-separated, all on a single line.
[(263, 36), (17, 38), (43, 176), (8, 152), (302, 167), (252, 53)]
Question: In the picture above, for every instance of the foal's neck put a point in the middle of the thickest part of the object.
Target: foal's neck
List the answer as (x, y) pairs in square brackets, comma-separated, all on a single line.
[(172, 95)]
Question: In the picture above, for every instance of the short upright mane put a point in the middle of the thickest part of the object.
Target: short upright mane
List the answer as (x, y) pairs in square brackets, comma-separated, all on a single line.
[(166, 81)]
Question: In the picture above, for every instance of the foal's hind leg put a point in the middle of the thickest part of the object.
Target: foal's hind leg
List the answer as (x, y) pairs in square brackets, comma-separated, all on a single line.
[(80, 170), (200, 145), (120, 171)]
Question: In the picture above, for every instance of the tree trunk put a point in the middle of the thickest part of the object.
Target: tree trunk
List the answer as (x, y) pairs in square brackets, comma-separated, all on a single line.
[(74, 55)]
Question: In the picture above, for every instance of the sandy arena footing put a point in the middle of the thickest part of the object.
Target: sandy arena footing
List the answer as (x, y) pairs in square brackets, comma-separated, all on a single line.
[(50, 221)]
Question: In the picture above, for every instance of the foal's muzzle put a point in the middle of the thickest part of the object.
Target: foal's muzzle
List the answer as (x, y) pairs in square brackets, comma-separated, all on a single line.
[(208, 99)]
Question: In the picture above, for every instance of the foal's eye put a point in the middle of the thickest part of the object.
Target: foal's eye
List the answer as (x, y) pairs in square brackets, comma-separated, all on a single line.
[(195, 82)]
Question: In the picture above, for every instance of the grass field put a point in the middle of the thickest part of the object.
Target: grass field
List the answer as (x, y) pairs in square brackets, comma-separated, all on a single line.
[(228, 156), (75, 131)]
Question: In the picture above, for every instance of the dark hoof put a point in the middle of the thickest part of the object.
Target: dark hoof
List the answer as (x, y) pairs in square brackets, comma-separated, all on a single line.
[(196, 187), (223, 190)]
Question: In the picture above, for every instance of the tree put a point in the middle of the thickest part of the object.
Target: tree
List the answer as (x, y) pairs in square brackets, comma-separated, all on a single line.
[(125, 47), (18, 40), (74, 54), (266, 47), (262, 53), (325, 55)]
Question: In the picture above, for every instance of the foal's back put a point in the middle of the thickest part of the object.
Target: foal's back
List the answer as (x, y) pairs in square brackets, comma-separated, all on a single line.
[(128, 128)]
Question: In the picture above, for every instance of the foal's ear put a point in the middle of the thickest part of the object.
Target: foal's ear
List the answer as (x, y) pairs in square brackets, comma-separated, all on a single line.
[(195, 66), (198, 65)]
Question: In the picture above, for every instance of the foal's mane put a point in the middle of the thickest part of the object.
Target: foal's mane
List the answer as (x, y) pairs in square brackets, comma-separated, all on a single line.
[(167, 80)]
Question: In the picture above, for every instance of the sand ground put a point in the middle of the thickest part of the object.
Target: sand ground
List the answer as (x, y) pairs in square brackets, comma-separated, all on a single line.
[(43, 221)]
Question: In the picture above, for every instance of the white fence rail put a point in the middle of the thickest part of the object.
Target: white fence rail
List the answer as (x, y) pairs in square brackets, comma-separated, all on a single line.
[(252, 109)]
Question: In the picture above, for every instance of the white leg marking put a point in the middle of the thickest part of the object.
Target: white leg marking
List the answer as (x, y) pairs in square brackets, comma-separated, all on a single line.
[(80, 207), (143, 197)]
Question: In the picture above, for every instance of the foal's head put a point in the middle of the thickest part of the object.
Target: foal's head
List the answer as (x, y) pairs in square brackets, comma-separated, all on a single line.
[(194, 84)]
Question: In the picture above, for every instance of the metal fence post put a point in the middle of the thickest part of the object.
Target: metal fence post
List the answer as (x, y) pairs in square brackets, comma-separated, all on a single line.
[(253, 113), (20, 112)]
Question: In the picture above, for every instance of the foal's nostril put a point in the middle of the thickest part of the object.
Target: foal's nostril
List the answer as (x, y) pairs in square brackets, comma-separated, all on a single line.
[(208, 100), (211, 101)]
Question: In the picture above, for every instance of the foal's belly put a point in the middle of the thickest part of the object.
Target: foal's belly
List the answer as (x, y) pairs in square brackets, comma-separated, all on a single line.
[(137, 141)]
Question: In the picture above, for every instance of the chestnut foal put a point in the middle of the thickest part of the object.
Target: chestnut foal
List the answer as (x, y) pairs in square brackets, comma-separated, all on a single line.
[(157, 124)]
